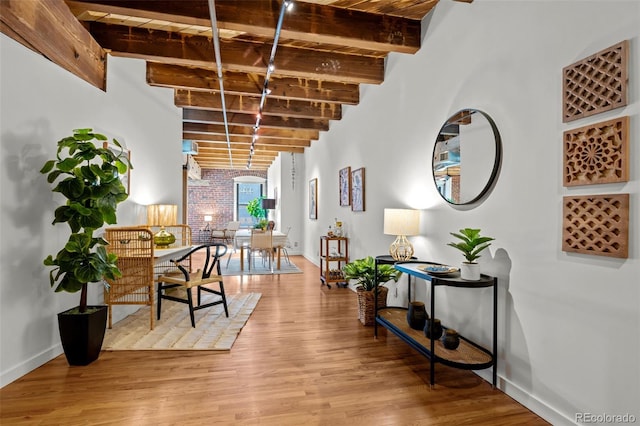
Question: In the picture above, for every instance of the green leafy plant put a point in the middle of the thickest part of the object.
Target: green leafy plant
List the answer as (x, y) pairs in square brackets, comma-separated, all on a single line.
[(363, 271), (472, 243), (88, 177), (254, 207)]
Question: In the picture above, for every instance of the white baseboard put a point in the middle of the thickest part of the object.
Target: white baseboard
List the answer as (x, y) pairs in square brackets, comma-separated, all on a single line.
[(529, 401), (29, 365)]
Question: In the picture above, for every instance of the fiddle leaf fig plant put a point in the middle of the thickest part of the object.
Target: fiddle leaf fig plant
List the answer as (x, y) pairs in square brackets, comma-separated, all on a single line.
[(363, 271), (254, 207), (472, 243), (88, 176)]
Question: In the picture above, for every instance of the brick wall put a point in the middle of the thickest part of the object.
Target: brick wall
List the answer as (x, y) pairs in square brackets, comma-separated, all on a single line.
[(213, 195)]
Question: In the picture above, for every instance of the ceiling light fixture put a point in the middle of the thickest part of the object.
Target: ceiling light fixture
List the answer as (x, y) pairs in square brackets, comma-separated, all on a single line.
[(286, 5), (216, 49)]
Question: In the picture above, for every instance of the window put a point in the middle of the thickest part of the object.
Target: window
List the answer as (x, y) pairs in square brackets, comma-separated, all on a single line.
[(247, 188)]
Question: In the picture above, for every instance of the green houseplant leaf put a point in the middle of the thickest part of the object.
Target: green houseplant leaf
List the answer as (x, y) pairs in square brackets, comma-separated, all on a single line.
[(471, 243), (254, 207), (87, 175), (363, 271)]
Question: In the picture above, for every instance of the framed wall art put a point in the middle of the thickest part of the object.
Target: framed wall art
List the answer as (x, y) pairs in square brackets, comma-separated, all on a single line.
[(313, 198), (345, 186), (596, 84), (357, 190), (125, 178)]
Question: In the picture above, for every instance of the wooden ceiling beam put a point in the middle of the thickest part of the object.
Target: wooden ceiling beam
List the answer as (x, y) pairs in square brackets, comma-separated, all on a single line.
[(227, 166), (274, 142), (193, 78), (49, 28), (243, 146), (216, 117), (218, 128), (237, 154), (184, 49), (251, 105), (311, 23), (238, 160)]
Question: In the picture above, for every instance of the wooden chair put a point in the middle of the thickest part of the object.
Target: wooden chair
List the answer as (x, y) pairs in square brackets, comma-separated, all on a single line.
[(226, 234), (209, 274), (134, 248)]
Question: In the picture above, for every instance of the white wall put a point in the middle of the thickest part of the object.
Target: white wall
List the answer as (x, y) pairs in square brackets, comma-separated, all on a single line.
[(284, 177), (40, 104), (569, 324)]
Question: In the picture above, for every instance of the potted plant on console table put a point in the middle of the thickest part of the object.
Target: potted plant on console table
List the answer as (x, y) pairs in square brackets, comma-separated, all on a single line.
[(470, 246), (363, 271), (88, 176)]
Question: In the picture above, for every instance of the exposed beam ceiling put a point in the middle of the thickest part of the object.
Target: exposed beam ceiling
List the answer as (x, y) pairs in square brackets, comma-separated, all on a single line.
[(327, 48)]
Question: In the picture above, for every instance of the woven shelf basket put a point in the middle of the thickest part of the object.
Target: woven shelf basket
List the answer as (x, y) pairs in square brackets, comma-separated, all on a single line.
[(366, 306)]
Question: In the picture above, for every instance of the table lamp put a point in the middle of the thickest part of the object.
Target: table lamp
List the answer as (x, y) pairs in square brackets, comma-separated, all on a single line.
[(401, 222), (268, 203), (208, 218), (162, 215)]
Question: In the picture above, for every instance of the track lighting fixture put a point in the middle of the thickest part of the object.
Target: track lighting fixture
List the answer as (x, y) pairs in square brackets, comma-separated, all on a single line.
[(286, 5)]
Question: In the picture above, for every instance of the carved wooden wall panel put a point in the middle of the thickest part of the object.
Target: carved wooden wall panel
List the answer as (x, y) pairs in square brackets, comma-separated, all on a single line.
[(597, 83), (596, 224), (597, 153)]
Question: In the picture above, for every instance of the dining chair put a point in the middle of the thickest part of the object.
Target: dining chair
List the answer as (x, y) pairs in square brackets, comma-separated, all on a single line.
[(209, 274), (135, 251), (285, 246), (261, 242)]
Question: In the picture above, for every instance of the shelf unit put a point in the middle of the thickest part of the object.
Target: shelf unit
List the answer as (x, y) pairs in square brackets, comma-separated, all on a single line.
[(469, 355), (331, 266)]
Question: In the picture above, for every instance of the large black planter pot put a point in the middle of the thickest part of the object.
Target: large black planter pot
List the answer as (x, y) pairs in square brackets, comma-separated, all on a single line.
[(82, 334)]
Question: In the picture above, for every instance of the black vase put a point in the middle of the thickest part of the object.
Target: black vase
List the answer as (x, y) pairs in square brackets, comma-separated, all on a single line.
[(433, 329), (417, 315), (451, 339), (81, 335)]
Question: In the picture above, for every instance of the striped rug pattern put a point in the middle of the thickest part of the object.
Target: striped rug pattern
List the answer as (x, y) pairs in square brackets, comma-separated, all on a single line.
[(213, 331)]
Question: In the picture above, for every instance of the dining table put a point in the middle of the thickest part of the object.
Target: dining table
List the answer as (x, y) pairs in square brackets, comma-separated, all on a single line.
[(242, 241)]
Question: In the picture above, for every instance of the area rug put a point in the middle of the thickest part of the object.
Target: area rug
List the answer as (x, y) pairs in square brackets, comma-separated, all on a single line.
[(259, 269), (213, 331)]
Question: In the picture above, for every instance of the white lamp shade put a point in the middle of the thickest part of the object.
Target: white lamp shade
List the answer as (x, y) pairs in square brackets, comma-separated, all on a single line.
[(162, 214), (401, 222), (208, 218)]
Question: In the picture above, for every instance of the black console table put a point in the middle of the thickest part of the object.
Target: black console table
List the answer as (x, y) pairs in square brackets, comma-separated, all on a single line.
[(468, 355)]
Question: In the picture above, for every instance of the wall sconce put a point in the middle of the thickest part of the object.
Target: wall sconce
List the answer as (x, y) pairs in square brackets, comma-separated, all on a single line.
[(268, 203), (162, 215), (401, 222)]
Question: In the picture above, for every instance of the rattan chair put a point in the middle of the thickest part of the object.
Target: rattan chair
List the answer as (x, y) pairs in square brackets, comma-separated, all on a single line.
[(134, 248), (209, 274)]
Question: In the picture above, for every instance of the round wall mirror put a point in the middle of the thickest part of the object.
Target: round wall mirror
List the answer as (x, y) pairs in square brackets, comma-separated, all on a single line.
[(466, 157)]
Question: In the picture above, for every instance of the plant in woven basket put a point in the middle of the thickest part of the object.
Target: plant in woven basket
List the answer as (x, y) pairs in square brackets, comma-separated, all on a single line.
[(364, 272)]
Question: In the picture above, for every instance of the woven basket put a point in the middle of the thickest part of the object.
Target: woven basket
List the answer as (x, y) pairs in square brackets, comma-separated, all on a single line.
[(366, 307)]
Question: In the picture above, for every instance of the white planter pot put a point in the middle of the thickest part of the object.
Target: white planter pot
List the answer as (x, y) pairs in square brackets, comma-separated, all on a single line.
[(470, 271)]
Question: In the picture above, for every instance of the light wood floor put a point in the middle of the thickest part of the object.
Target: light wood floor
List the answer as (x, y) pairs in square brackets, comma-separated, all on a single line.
[(302, 359)]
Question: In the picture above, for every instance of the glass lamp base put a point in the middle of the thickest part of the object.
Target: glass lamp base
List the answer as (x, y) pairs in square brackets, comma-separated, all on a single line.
[(401, 249), (163, 238)]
